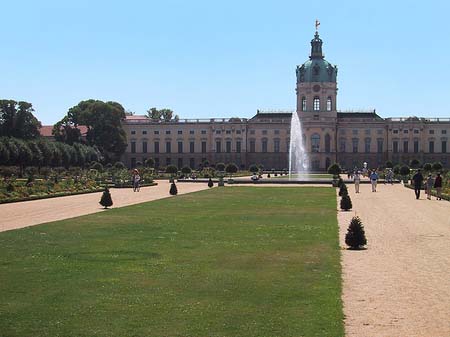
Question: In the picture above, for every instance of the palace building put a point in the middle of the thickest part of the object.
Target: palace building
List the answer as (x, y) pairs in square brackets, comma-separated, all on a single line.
[(349, 138)]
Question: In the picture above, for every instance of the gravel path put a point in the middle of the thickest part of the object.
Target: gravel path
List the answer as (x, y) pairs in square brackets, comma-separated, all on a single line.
[(30, 213), (400, 285)]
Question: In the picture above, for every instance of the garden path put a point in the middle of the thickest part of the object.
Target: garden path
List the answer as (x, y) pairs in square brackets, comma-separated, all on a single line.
[(400, 285), (29, 213)]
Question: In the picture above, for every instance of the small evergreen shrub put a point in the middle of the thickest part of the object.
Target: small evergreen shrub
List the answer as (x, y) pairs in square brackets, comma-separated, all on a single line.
[(343, 190), (210, 183), (340, 182), (355, 237), (173, 189), (346, 202), (106, 200)]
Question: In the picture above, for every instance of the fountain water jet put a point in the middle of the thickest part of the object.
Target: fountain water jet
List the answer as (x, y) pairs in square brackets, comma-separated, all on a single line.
[(298, 158)]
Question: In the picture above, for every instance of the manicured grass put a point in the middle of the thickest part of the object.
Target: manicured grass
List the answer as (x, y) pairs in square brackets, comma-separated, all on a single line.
[(238, 261)]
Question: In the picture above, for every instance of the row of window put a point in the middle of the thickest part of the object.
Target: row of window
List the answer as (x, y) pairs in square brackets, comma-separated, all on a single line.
[(356, 131), (316, 104), (416, 131), (168, 132), (315, 146), (431, 149)]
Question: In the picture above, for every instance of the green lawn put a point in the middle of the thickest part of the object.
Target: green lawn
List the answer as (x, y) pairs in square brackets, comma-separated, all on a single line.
[(238, 261)]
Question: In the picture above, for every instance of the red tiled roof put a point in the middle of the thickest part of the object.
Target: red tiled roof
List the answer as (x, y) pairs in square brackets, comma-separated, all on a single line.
[(46, 130), (134, 117)]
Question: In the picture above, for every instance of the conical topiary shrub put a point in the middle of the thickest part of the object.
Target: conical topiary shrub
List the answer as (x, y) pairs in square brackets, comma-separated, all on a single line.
[(346, 202), (106, 200), (355, 237), (343, 190), (210, 183), (173, 189)]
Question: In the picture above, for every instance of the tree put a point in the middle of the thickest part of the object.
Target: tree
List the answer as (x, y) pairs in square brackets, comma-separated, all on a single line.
[(38, 157), (150, 162), (172, 169), (173, 189), (355, 237), (65, 131), (106, 200), (231, 168), (154, 114), (17, 120), (334, 169), (389, 164), (343, 190), (346, 202), (253, 168), (186, 170), (405, 170), (4, 150), (103, 120), (437, 166), (414, 163), (220, 167), (167, 114), (210, 183), (427, 167), (119, 165)]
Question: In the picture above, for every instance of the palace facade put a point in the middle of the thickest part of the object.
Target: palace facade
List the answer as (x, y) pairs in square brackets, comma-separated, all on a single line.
[(349, 138)]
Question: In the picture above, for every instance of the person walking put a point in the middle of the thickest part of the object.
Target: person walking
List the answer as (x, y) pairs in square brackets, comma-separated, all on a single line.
[(438, 186), (429, 185), (373, 180), (418, 179), (357, 180)]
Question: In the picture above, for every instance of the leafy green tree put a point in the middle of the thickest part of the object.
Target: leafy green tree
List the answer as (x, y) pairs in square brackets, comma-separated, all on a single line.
[(103, 120), (38, 158), (17, 120), (150, 162), (253, 168), (47, 152), (414, 163), (334, 169), (154, 114), (65, 131), (186, 170), (220, 167), (427, 167), (231, 168), (172, 169), (437, 166), (166, 114), (4, 151), (389, 164), (405, 170)]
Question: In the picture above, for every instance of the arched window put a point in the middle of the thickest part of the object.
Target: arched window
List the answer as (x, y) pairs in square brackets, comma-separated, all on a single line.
[(303, 103), (315, 142), (327, 143), (316, 104), (329, 104)]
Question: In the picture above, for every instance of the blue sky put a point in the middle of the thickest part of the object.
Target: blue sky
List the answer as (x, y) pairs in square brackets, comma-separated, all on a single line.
[(208, 59)]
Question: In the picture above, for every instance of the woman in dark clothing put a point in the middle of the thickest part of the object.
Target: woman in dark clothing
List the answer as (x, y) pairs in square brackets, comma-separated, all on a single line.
[(438, 186), (418, 179)]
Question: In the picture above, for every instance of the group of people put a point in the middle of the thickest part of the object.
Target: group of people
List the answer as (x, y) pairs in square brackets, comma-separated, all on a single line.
[(373, 176), (430, 183)]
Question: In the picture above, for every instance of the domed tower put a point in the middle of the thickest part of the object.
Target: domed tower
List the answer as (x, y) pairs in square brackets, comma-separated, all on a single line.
[(316, 84)]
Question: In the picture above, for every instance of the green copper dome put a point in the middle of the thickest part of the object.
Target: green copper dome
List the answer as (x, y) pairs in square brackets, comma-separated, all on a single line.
[(316, 69)]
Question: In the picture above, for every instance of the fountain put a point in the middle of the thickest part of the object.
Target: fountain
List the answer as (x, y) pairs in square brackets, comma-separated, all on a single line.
[(298, 158)]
